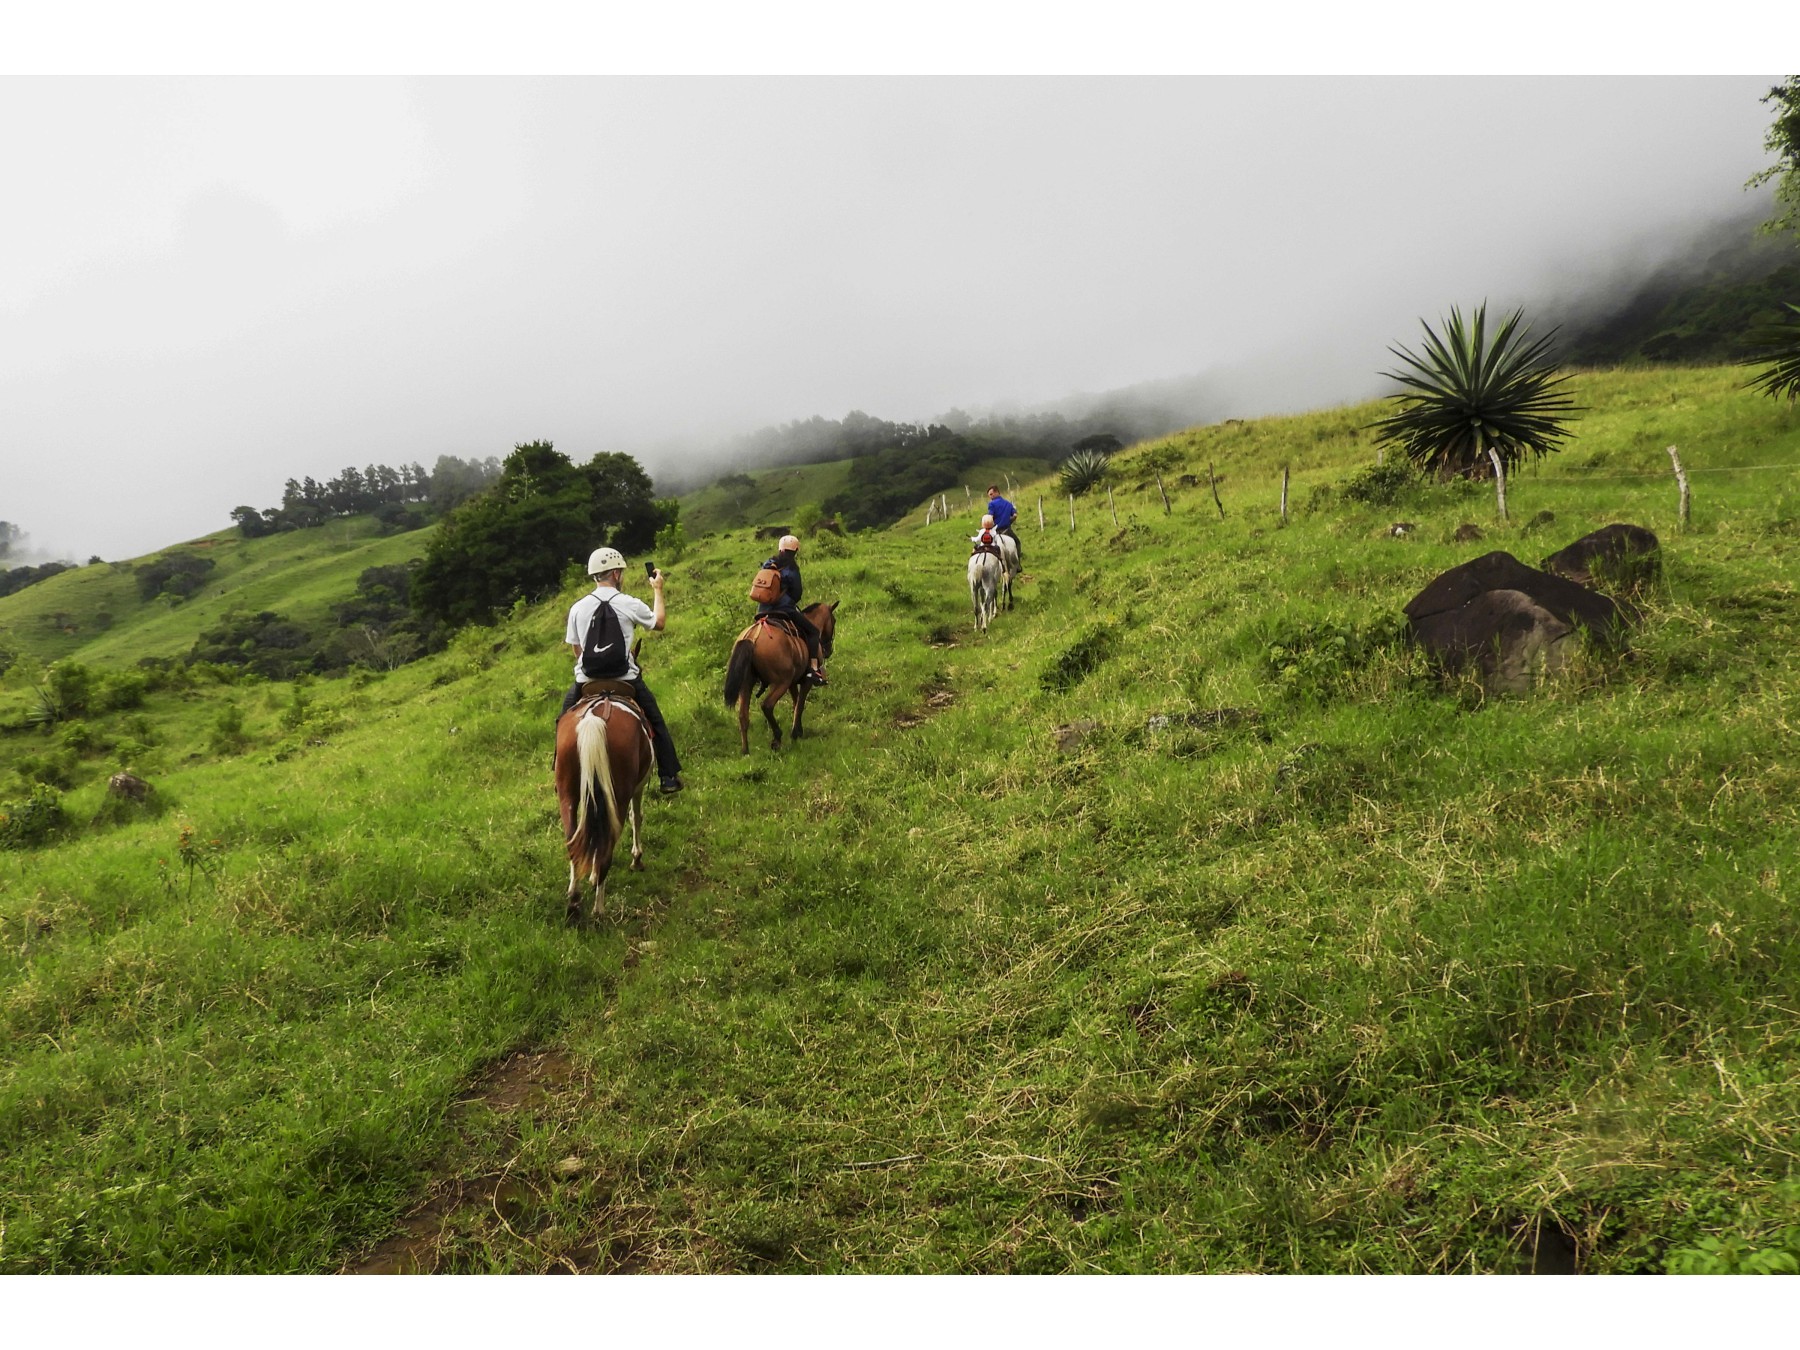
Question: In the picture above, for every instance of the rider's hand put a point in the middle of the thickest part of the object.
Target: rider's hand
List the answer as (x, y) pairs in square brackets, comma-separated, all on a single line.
[(656, 580)]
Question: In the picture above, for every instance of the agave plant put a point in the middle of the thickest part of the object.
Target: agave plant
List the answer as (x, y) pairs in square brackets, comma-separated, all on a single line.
[(1083, 471), (1469, 396), (1778, 344)]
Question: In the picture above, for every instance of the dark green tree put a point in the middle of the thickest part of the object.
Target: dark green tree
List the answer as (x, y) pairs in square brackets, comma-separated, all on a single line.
[(1469, 396), (1783, 141), (517, 539)]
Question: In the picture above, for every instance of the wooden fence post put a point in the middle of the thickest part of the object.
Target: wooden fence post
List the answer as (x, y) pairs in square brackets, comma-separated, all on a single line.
[(1040, 513), (1071, 513), (1212, 479), (1111, 507), (1499, 480), (967, 499), (1165, 495), (1681, 482), (1284, 482)]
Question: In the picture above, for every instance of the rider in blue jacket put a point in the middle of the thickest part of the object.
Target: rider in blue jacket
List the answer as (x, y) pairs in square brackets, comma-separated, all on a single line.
[(788, 604), (1004, 513)]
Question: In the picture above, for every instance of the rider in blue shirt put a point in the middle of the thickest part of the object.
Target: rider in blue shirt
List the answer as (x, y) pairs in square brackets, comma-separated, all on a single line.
[(788, 604), (1004, 513)]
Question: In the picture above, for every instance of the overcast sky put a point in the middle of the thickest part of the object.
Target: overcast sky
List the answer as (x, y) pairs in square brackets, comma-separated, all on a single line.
[(208, 285)]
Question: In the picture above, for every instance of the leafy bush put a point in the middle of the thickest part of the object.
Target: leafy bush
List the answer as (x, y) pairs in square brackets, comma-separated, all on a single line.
[(1319, 658), (671, 543), (228, 731), (28, 823), (1083, 471), (1382, 484)]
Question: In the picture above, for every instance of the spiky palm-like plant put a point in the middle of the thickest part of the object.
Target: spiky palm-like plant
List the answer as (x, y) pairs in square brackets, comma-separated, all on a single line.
[(1777, 343), (1083, 471), (1469, 396)]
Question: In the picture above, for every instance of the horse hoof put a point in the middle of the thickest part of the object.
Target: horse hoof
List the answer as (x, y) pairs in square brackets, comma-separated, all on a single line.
[(636, 865), (572, 916)]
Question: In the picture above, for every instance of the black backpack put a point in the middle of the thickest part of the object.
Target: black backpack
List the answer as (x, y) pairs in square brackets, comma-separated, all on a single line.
[(603, 652)]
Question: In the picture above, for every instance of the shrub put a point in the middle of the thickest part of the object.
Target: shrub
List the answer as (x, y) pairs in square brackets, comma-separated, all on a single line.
[(228, 731), (28, 823), (1319, 658), (1382, 484)]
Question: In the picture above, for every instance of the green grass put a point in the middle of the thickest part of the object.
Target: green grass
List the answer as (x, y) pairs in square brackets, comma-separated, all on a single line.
[(1366, 975)]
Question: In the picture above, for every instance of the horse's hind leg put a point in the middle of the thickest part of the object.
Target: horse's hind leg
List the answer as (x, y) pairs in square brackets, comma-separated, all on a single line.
[(773, 697), (637, 819), (744, 721), (573, 899)]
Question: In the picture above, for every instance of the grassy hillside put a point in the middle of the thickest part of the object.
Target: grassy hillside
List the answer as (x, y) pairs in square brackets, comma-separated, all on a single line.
[(97, 610), (1183, 923)]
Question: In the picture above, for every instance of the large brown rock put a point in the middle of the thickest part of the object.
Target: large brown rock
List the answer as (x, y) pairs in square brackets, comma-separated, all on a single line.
[(1574, 605), (1509, 638), (1626, 556)]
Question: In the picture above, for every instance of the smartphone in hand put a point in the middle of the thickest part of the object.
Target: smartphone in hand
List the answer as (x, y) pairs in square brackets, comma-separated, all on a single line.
[(650, 570)]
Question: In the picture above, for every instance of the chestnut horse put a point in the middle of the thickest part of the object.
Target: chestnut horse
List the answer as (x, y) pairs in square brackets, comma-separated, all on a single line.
[(603, 757), (771, 656)]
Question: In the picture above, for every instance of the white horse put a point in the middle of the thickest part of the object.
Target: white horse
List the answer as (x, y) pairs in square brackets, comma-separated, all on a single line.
[(1009, 556), (985, 574)]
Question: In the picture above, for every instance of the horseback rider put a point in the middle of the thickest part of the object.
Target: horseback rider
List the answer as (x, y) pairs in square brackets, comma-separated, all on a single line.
[(787, 604), (987, 539), (607, 566), (1005, 513)]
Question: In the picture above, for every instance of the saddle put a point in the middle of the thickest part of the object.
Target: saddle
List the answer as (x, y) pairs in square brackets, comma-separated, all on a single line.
[(778, 619), (992, 550), (619, 689)]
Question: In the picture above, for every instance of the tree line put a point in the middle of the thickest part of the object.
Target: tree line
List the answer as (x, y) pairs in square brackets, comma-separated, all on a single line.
[(392, 495)]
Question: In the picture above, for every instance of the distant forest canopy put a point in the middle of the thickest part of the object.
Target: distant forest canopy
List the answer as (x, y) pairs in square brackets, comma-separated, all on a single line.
[(897, 464), (386, 493), (1693, 310)]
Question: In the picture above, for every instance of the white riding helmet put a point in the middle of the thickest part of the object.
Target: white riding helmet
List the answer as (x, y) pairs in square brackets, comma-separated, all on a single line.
[(789, 543), (604, 560)]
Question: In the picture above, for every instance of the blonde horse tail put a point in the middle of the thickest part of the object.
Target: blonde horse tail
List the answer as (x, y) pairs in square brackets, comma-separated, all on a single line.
[(596, 765)]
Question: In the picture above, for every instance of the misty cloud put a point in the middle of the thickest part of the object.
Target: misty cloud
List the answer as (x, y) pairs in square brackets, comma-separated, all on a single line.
[(223, 283)]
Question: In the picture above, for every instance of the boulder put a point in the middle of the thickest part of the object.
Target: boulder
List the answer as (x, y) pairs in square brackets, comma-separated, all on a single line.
[(1401, 528), (1626, 556), (129, 786), (1509, 638), (1572, 604), (772, 531)]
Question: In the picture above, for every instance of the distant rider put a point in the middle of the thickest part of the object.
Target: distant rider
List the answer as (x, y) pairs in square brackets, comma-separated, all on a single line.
[(607, 566), (1005, 513), (788, 603), (987, 539)]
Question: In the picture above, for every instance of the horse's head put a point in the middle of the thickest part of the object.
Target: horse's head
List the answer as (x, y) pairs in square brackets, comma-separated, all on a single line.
[(824, 618)]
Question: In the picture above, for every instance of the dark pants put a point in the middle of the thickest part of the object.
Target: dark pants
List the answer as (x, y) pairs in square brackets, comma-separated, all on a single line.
[(1018, 548), (668, 763), (805, 627)]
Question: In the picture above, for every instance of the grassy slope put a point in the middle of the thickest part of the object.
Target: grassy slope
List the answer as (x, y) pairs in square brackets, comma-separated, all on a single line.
[(299, 574), (779, 491), (1386, 980)]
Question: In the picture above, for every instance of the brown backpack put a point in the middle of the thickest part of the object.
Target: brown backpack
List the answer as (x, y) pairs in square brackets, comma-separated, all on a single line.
[(766, 589)]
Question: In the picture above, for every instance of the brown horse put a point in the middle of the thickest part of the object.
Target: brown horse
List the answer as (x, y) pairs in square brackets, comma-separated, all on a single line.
[(603, 757), (771, 656)]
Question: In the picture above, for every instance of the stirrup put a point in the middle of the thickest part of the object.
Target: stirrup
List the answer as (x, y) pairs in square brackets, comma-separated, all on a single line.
[(816, 677)]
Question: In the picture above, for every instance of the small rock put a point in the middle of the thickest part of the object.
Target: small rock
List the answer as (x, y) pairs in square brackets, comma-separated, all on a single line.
[(1401, 528), (1541, 519), (569, 1166), (1073, 736), (1467, 533)]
